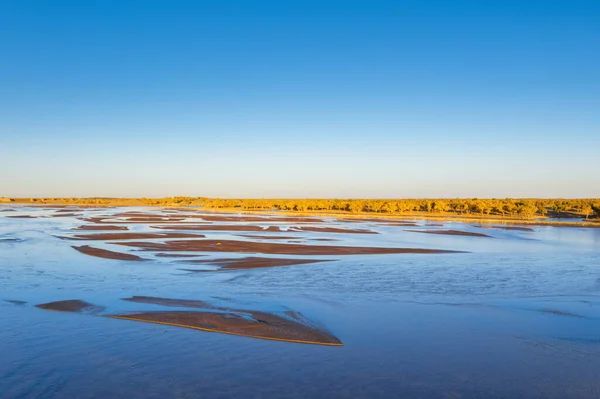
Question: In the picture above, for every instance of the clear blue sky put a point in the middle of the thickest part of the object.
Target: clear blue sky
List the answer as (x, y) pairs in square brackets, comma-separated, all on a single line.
[(300, 98)]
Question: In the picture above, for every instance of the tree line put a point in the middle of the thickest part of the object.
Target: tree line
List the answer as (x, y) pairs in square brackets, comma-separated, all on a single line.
[(508, 207), (525, 208)]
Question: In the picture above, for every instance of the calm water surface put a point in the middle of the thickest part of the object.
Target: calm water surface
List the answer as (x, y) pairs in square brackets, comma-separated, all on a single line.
[(518, 316)]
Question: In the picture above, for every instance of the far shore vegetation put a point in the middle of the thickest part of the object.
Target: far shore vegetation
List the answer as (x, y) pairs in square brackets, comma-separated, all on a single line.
[(508, 208)]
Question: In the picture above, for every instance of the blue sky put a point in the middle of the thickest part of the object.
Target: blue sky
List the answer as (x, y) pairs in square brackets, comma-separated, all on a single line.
[(300, 98)]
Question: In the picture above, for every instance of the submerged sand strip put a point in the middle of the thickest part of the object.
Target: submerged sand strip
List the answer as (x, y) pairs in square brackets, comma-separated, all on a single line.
[(218, 227), (106, 254), (64, 215), (251, 262), (450, 233), (116, 220), (332, 230), (161, 255), (516, 228), (101, 227), (271, 248), (183, 303), (264, 237), (131, 236), (223, 218)]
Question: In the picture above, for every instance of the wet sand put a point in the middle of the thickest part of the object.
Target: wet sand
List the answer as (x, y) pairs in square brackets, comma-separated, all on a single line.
[(251, 263), (131, 236), (104, 227), (332, 230), (451, 233), (73, 305), (271, 248), (560, 313), (106, 254), (21, 217), (218, 227), (248, 324)]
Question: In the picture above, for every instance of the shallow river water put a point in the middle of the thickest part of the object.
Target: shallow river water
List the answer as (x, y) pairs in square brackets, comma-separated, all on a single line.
[(516, 315)]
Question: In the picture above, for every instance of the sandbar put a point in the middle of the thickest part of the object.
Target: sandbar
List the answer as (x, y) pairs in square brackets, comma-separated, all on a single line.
[(252, 324), (73, 305), (251, 263), (271, 248)]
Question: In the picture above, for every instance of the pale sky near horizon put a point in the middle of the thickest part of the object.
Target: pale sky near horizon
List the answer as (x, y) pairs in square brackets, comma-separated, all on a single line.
[(300, 98)]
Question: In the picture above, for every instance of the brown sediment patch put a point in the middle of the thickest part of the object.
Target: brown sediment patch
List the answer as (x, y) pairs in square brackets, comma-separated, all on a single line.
[(451, 233), (517, 228), (106, 254), (332, 230), (560, 313), (104, 227), (271, 248), (323, 239), (22, 217), (251, 324), (184, 303), (251, 263), (161, 255), (434, 224), (70, 210), (15, 302), (130, 236), (73, 305), (218, 227), (269, 237)]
